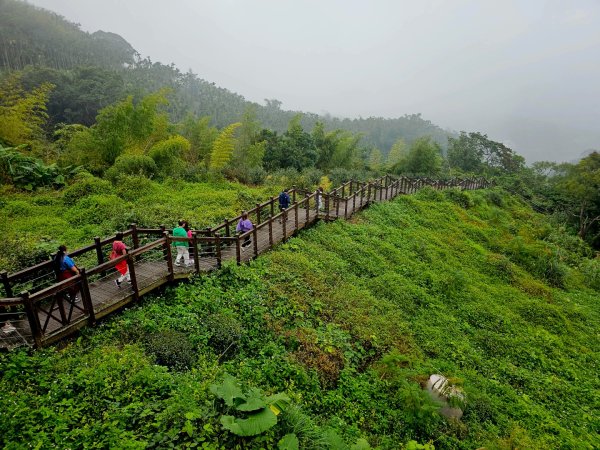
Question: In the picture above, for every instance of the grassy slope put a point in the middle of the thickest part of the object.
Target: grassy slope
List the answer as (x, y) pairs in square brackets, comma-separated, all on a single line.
[(348, 319), (34, 225)]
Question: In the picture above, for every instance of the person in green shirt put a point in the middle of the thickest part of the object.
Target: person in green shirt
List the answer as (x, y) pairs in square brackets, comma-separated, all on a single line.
[(182, 247)]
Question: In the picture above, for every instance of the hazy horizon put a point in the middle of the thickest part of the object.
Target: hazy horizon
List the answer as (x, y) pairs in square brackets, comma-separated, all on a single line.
[(525, 74)]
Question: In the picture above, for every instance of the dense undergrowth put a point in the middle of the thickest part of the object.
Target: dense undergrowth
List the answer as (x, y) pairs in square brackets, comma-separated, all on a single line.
[(33, 225), (348, 320)]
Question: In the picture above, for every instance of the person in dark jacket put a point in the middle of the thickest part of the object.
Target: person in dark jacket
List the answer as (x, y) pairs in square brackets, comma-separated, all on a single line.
[(284, 202)]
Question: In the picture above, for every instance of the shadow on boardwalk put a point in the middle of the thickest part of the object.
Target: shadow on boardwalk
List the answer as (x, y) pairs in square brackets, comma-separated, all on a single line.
[(45, 311)]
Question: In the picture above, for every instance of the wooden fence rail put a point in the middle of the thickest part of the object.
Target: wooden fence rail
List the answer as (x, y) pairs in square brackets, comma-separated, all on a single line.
[(45, 311)]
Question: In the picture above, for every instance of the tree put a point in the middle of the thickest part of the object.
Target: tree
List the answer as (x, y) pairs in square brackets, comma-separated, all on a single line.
[(423, 159), (475, 152), (200, 135), (397, 152), (22, 114), (582, 187), (246, 142), (223, 147), (168, 154), (375, 159), (295, 149)]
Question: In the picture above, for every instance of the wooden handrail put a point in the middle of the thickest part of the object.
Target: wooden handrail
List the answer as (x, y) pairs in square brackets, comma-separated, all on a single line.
[(11, 301), (55, 288)]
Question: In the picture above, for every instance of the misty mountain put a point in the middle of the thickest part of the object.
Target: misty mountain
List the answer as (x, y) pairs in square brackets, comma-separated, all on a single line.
[(92, 70)]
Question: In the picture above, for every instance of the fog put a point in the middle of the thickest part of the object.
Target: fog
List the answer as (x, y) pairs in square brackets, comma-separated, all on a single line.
[(524, 72)]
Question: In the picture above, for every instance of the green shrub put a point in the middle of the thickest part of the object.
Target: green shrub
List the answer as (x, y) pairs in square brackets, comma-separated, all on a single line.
[(225, 332), (461, 198), (167, 155), (430, 194), (132, 165), (555, 272), (495, 198), (107, 210), (248, 175), (85, 186), (590, 268), (133, 187), (171, 349)]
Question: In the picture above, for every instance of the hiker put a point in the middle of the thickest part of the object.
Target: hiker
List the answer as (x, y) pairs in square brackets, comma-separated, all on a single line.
[(65, 268), (284, 203), (243, 226), (319, 198), (181, 246), (120, 249)]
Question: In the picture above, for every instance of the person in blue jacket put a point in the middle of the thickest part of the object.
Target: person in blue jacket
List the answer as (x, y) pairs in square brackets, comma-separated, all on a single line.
[(65, 268), (284, 201)]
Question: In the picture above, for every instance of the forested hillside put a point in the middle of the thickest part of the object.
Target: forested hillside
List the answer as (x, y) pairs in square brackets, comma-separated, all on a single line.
[(338, 330), (93, 70)]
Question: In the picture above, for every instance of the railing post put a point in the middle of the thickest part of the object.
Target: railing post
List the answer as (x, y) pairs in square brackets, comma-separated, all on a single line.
[(196, 251), (294, 193), (272, 206), (270, 231), (99, 254), (362, 196), (296, 214), (353, 203), (238, 250), (343, 190), (227, 230), (255, 241), (135, 238), (337, 205), (6, 283), (218, 249), (162, 233), (34, 319), (284, 223), (258, 214), (326, 206), (134, 235), (132, 277), (306, 197), (86, 297), (168, 254)]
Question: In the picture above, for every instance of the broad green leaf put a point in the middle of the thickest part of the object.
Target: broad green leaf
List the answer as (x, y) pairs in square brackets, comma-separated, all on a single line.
[(288, 442), (334, 441), (228, 391), (278, 401), (361, 444), (255, 424), (254, 401)]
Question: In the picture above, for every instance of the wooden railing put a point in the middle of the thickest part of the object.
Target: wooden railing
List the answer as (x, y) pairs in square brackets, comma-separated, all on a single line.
[(44, 310)]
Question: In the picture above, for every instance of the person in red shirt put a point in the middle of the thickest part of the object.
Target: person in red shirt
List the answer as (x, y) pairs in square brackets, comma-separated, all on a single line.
[(119, 249)]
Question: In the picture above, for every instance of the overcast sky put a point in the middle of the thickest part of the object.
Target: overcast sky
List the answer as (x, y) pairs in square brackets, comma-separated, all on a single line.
[(526, 72)]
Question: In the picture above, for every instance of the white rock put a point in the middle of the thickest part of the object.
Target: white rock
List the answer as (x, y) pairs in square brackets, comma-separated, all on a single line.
[(441, 391)]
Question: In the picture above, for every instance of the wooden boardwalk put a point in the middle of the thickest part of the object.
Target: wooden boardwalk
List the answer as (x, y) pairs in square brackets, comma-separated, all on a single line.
[(41, 316)]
